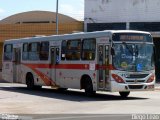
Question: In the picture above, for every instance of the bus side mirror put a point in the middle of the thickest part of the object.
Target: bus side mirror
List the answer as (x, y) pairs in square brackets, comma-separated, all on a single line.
[(112, 51)]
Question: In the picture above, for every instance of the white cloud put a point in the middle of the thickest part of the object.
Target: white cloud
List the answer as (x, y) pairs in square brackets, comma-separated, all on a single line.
[(76, 12), (1, 13)]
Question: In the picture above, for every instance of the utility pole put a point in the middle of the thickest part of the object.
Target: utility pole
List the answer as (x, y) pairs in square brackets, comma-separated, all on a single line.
[(57, 18)]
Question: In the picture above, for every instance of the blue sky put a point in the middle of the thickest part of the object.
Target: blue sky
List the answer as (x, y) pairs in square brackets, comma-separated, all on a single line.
[(73, 8)]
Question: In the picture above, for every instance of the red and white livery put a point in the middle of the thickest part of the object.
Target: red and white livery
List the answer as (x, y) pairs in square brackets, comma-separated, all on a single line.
[(116, 61)]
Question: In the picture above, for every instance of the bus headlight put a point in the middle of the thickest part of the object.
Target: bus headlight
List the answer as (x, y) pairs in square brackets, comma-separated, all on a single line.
[(151, 78), (117, 78)]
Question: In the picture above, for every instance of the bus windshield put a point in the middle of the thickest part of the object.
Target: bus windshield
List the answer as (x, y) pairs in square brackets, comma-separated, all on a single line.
[(133, 57)]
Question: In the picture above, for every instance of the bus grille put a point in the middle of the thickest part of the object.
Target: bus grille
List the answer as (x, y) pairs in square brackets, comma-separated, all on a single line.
[(137, 76), (135, 86), (133, 81)]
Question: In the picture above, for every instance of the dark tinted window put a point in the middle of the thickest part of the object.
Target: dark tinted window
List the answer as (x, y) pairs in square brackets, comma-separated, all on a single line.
[(34, 49), (88, 49), (63, 50), (44, 51), (25, 51), (8, 52), (145, 26), (105, 26), (73, 49)]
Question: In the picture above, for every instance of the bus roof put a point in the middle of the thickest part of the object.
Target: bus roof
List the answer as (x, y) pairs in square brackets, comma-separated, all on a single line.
[(81, 35)]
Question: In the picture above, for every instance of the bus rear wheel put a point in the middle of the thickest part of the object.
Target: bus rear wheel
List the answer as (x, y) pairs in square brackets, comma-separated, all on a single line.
[(62, 89), (124, 94), (30, 81)]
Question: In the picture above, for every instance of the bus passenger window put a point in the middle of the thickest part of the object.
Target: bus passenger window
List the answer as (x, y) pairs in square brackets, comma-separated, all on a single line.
[(34, 49), (88, 49), (44, 51), (25, 51), (73, 50), (8, 52)]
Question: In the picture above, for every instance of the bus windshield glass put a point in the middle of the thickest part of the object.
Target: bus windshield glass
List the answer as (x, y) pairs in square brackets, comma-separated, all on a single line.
[(133, 57)]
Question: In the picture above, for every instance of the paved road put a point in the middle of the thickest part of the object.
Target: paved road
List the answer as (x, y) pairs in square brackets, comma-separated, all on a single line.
[(17, 99)]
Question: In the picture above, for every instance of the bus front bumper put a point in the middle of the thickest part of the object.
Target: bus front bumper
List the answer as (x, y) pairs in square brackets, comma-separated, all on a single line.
[(118, 87)]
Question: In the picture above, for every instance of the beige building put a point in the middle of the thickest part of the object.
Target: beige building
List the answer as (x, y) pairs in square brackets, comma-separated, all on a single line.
[(29, 24)]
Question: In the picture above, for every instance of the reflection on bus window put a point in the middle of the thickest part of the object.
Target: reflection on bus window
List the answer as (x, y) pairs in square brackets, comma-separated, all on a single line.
[(8, 52), (73, 50), (88, 49)]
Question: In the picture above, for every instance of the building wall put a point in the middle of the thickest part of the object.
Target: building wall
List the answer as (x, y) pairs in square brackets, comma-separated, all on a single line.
[(126, 14), (13, 31), (109, 11), (141, 15), (1, 49)]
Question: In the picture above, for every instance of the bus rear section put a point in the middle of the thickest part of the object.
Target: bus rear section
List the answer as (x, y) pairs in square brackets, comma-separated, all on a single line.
[(11, 63)]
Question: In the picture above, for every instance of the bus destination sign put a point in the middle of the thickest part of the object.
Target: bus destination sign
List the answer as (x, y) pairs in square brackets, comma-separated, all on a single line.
[(131, 37)]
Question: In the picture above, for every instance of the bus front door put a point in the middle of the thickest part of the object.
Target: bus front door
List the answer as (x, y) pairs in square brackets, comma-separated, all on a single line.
[(54, 55), (103, 63), (17, 65)]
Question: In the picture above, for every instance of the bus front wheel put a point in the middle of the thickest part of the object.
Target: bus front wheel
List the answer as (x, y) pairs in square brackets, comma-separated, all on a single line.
[(124, 94), (88, 87)]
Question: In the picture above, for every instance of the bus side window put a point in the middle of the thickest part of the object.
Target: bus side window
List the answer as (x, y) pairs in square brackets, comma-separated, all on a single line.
[(44, 51), (88, 49), (25, 51), (34, 49), (73, 51), (8, 52), (63, 50)]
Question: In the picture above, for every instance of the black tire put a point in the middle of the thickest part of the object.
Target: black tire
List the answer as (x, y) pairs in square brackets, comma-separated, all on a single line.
[(37, 87), (30, 81), (88, 87), (124, 94), (62, 89)]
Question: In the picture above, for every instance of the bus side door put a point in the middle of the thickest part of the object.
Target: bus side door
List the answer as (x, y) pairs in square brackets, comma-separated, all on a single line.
[(7, 68), (103, 63), (54, 59), (17, 65)]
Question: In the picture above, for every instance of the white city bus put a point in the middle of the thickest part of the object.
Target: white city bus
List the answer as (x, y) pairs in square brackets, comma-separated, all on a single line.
[(115, 61)]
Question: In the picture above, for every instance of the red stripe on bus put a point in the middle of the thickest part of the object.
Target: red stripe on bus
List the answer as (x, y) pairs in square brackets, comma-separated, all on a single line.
[(60, 66), (103, 67), (48, 81), (71, 66), (45, 78)]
